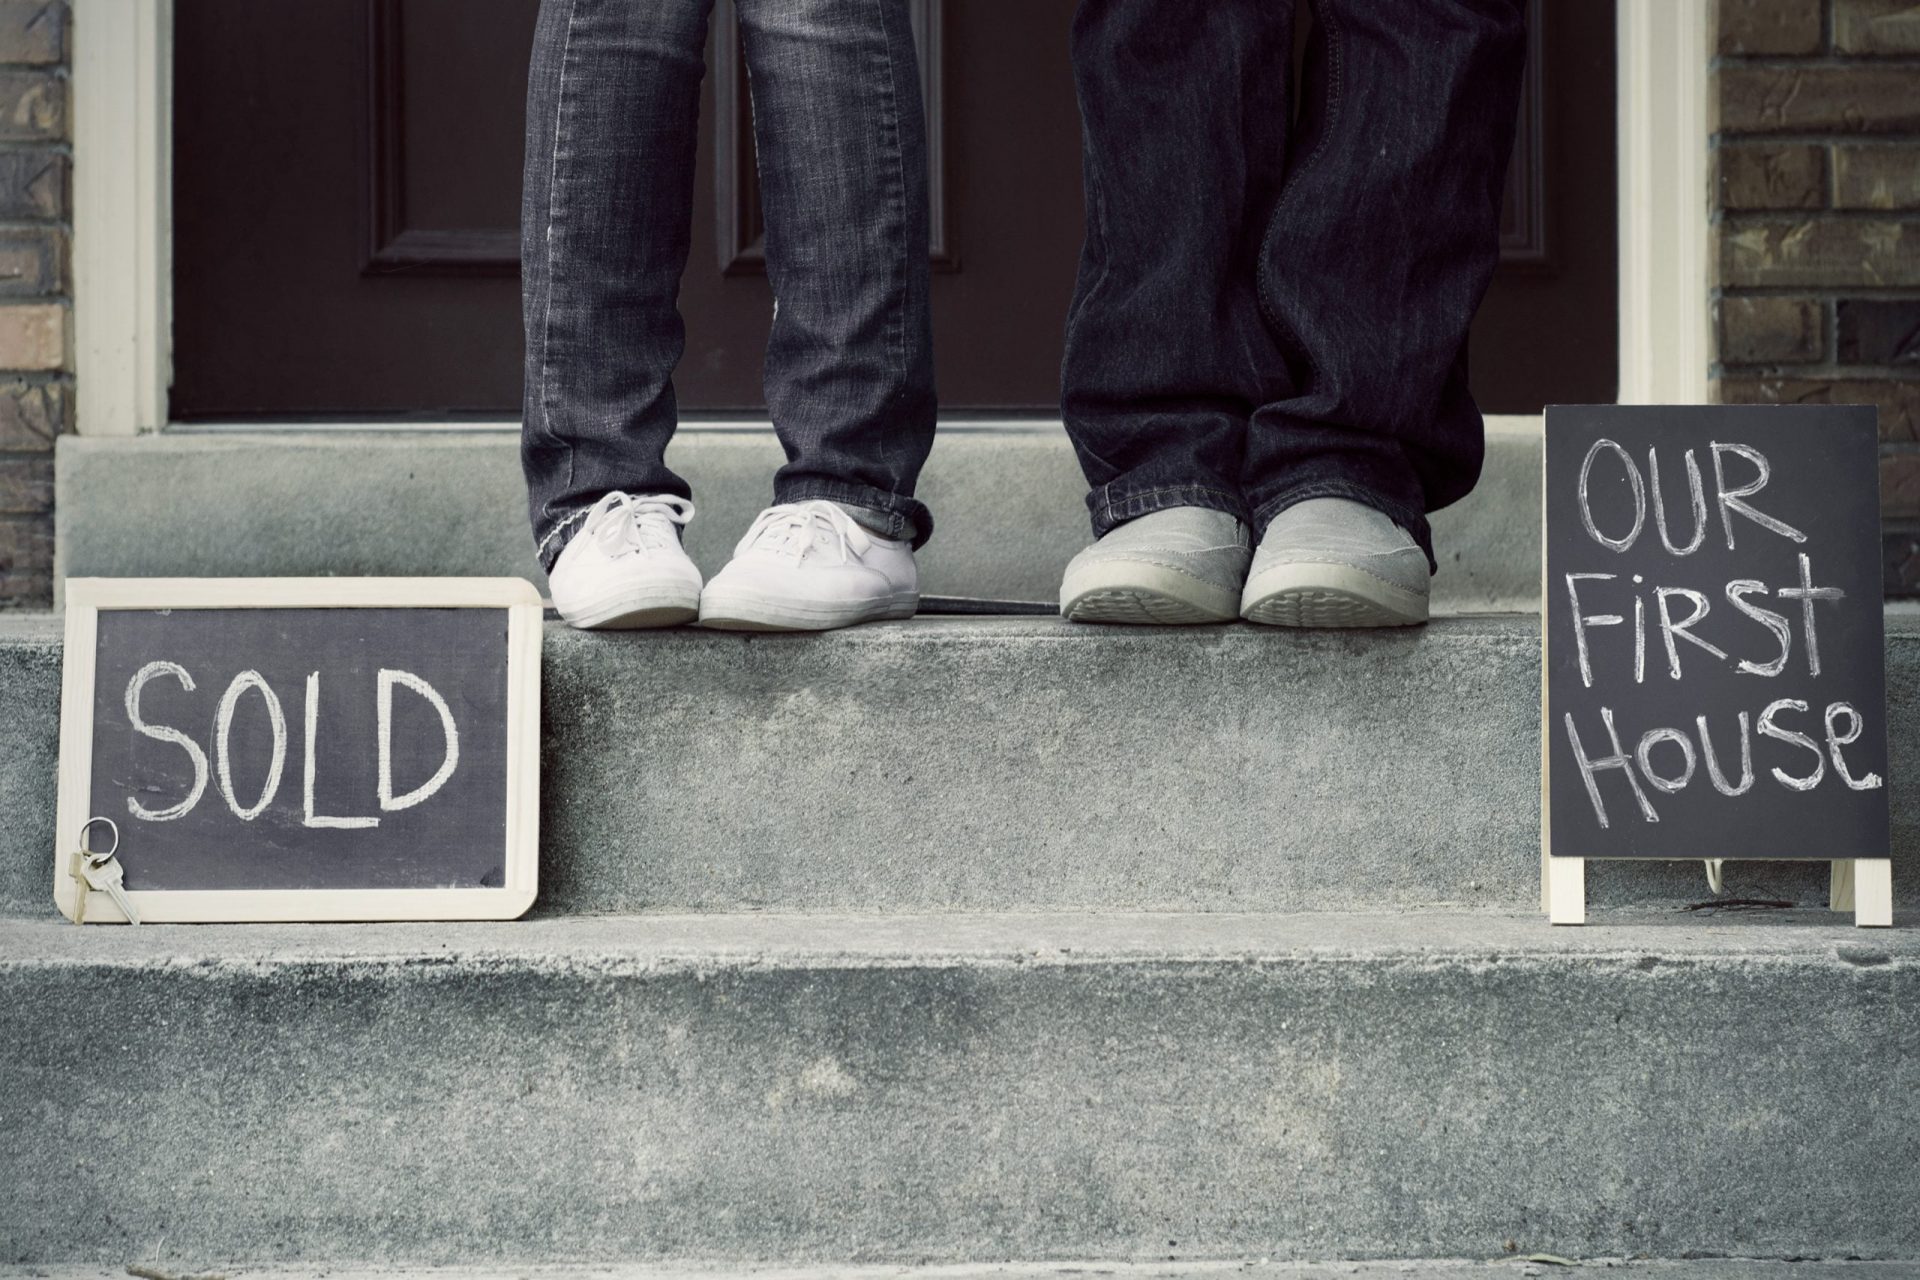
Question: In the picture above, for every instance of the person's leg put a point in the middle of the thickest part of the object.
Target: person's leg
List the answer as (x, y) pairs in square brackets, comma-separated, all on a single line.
[(841, 145), (1378, 252), (841, 140), (1184, 112), (613, 103)]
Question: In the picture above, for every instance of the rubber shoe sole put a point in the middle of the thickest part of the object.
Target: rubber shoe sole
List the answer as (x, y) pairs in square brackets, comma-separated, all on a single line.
[(741, 611), (1329, 595), (1134, 593), (635, 610)]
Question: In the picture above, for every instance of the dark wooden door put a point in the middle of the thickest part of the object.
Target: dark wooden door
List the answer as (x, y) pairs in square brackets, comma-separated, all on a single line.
[(346, 190)]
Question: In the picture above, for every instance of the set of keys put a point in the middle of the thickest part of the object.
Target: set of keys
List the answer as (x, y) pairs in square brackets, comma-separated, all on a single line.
[(96, 869)]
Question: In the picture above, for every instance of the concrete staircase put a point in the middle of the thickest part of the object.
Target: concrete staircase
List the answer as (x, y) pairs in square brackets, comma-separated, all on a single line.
[(970, 941), (992, 943)]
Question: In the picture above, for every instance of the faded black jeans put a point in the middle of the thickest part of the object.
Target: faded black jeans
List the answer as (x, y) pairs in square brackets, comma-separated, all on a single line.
[(613, 103), (1269, 311)]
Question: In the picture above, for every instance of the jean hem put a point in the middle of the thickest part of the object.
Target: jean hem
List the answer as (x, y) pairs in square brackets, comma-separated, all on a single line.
[(910, 517), (549, 544), (1112, 505)]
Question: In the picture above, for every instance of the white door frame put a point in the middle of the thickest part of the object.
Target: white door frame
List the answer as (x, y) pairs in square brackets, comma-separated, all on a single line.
[(122, 213), (122, 217), (1662, 52)]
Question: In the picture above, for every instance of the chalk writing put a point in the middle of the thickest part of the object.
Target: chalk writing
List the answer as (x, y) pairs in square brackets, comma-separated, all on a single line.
[(1707, 570)]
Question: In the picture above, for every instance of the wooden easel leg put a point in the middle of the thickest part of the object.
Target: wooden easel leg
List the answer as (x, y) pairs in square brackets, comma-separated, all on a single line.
[(1566, 890), (1840, 885), (1873, 892)]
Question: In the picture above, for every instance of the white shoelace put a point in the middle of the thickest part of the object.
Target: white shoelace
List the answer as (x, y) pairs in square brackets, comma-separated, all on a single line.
[(793, 529), (624, 523)]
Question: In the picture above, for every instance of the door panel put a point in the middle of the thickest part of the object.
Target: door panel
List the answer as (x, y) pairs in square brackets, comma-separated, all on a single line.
[(347, 187), (1548, 330)]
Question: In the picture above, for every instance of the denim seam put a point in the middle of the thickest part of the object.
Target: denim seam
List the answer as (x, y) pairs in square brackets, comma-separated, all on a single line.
[(897, 322), (1176, 488), (1336, 87), (546, 300), (1111, 508), (1272, 507), (1096, 236), (559, 528)]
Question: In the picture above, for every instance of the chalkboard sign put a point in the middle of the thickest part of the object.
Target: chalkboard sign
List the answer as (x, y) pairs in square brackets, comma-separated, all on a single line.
[(303, 749), (1714, 662)]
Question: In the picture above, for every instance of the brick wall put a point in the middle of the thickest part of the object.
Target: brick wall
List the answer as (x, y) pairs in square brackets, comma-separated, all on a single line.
[(36, 387), (1817, 224)]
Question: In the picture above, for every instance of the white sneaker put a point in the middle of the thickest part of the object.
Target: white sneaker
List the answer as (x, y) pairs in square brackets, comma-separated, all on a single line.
[(809, 566), (1332, 562), (1179, 565), (625, 568)]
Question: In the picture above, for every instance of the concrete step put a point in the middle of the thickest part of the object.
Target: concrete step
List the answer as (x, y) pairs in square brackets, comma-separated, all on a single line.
[(1515, 1267), (1009, 502), (959, 1089), (1029, 764)]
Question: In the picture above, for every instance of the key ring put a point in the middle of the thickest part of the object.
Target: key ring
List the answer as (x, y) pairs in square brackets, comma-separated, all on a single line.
[(92, 855)]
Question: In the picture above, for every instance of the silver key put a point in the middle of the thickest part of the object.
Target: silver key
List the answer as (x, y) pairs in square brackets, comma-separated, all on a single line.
[(103, 872), (86, 865)]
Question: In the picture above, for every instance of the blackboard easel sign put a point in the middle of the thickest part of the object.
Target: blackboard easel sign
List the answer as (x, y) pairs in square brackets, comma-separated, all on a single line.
[(301, 748), (1713, 664)]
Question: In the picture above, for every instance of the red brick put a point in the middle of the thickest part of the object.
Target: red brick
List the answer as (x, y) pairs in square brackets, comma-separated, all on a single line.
[(1900, 486), (1819, 253), (1771, 330), (1767, 26), (1897, 399), (1878, 331), (1876, 26), (1877, 176), (1762, 176), (33, 262), (33, 184), (33, 31), (26, 562), (1861, 98), (33, 336), (31, 415), (1903, 561), (33, 107), (26, 485)]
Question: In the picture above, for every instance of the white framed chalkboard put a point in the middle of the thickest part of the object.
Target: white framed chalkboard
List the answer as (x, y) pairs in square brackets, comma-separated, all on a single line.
[(303, 748)]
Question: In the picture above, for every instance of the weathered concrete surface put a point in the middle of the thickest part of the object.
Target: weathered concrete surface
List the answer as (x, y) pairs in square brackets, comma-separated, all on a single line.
[(963, 1089), (1028, 764), (30, 650), (1008, 502), (1507, 1268)]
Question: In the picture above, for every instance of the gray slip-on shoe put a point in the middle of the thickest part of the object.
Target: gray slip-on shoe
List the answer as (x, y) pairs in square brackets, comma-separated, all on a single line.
[(1331, 562), (1181, 565)]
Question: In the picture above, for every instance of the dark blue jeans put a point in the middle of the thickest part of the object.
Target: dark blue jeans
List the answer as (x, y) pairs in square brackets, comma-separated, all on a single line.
[(613, 104), (1269, 311)]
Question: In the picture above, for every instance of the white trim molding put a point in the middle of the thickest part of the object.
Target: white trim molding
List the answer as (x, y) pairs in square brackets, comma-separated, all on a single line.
[(1664, 53), (122, 224)]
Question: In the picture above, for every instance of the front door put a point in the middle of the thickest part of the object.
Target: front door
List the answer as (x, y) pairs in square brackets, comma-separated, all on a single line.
[(346, 192)]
